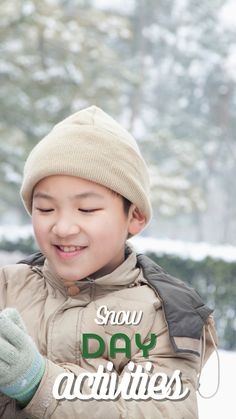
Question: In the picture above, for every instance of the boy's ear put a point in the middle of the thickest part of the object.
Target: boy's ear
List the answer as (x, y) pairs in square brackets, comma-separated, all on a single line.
[(137, 220)]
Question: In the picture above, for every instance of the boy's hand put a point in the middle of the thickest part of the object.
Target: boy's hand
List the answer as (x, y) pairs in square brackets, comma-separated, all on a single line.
[(21, 365)]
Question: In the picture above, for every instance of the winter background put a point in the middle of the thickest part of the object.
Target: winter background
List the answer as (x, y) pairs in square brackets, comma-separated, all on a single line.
[(166, 70)]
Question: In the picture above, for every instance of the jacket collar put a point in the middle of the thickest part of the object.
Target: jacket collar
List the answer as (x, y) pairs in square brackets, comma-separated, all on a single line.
[(124, 275)]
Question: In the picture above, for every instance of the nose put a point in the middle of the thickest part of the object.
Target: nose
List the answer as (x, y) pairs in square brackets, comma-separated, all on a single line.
[(64, 227)]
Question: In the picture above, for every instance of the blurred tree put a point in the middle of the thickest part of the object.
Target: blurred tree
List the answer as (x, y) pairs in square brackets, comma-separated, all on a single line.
[(57, 57), (164, 70), (184, 115)]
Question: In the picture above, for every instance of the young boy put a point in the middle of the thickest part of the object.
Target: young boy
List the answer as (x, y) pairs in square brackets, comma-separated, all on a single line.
[(88, 298)]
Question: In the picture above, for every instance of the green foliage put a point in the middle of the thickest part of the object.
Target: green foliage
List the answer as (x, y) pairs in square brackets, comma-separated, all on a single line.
[(215, 282), (25, 245)]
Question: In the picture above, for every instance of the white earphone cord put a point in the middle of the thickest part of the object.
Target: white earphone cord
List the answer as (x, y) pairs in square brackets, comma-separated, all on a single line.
[(201, 364)]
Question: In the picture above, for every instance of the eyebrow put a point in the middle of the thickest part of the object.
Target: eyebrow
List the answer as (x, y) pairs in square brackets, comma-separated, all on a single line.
[(77, 196)]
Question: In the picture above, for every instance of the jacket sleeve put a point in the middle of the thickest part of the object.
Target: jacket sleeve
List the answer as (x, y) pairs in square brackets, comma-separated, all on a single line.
[(163, 358)]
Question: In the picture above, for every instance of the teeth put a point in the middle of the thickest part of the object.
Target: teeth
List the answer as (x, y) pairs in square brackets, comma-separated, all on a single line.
[(69, 248)]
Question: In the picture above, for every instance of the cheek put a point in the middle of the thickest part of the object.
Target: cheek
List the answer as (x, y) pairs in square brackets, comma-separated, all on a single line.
[(39, 228), (110, 230)]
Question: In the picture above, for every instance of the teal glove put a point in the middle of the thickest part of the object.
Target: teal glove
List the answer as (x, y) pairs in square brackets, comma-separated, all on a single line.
[(21, 364)]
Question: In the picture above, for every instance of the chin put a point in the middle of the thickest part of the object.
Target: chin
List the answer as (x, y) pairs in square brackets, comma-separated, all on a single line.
[(72, 276)]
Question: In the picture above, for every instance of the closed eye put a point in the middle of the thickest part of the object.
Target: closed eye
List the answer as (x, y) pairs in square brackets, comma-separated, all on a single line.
[(89, 210), (45, 210)]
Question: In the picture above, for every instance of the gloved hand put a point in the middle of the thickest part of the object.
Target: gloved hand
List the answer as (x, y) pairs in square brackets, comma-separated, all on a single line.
[(21, 364)]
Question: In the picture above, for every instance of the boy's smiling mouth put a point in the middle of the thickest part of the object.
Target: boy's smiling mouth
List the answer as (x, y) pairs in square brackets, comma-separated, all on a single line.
[(69, 248), (68, 251)]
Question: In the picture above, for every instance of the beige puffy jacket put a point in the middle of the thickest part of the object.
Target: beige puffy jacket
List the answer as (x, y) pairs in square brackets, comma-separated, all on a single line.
[(56, 323)]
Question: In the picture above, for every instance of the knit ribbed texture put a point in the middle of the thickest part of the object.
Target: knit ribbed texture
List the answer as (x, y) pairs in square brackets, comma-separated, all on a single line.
[(21, 365), (91, 145)]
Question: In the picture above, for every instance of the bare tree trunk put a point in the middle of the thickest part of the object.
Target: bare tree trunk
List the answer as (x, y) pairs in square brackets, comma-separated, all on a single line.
[(139, 53)]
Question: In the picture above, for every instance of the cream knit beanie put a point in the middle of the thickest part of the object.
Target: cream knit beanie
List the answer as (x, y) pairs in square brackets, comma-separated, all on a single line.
[(91, 145)]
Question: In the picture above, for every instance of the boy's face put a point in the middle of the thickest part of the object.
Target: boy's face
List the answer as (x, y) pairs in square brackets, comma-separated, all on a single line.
[(81, 227)]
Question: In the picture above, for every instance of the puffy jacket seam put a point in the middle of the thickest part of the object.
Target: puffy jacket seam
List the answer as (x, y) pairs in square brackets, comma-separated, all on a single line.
[(78, 340), (5, 279)]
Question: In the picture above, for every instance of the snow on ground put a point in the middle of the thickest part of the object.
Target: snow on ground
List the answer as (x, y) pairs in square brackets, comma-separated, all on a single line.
[(184, 250), (15, 232), (7, 258), (222, 405)]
